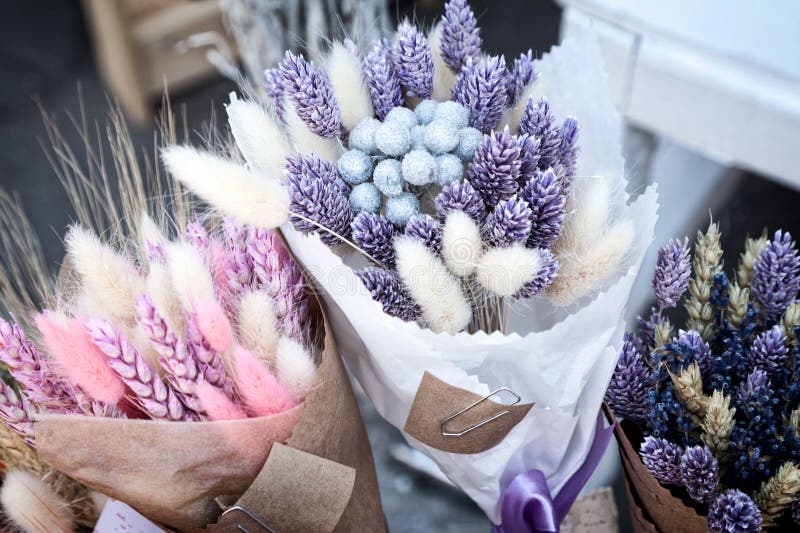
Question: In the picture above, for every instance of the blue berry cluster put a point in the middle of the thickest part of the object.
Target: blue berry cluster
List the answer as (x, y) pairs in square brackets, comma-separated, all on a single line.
[(409, 150)]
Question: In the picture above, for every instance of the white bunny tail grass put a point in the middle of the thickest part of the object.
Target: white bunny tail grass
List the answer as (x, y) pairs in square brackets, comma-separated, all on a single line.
[(109, 282), (504, 271), (251, 198), (349, 88), (294, 366), (150, 233), (443, 77), (258, 136), (580, 275), (461, 243), (189, 274), (306, 141), (32, 506), (437, 292), (257, 327)]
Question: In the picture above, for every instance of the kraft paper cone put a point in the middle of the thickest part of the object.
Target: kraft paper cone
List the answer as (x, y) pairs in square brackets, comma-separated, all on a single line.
[(653, 506)]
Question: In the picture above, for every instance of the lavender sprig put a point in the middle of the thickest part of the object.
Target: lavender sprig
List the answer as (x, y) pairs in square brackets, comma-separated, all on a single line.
[(384, 85), (521, 76), (153, 396), (374, 234), (528, 157), (481, 88), (461, 37), (538, 121), (413, 61), (769, 350), (671, 278), (630, 383), (699, 472), (16, 412), (544, 277), (387, 289), (312, 96), (733, 510), (548, 204), (460, 196), (495, 167), (567, 156), (757, 380), (776, 275), (509, 222), (426, 229)]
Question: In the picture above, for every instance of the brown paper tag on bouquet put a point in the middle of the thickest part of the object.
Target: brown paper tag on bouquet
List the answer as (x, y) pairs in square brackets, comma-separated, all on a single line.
[(436, 400)]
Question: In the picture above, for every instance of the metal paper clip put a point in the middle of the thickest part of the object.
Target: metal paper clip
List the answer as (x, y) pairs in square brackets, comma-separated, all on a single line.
[(473, 405), (249, 514)]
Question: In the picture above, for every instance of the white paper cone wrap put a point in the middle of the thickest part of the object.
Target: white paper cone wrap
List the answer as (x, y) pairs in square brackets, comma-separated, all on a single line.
[(560, 359)]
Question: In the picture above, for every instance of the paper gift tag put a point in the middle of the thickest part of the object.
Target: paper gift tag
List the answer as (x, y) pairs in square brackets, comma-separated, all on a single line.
[(118, 517)]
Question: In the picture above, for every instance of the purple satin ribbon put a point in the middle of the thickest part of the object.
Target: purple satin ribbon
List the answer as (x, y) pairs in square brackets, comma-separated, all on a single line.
[(527, 506)]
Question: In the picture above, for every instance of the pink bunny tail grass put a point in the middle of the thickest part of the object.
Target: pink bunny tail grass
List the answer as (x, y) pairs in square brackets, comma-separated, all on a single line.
[(259, 389), (220, 265), (216, 404), (78, 360), (214, 324)]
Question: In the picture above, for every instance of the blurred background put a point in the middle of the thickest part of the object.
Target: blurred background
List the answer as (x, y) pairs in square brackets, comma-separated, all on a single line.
[(710, 92)]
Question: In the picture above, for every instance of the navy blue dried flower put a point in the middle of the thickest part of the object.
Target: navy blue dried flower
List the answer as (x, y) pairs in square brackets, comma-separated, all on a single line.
[(310, 92), (546, 275), (508, 222), (413, 61), (388, 290), (662, 459), (374, 234), (776, 275), (733, 512), (673, 269), (461, 196), (495, 167), (382, 80), (548, 204), (481, 88), (699, 473), (537, 120), (521, 76), (769, 350), (461, 37), (426, 229), (630, 383)]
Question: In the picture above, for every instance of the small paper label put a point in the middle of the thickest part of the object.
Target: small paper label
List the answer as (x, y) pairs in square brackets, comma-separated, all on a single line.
[(118, 517)]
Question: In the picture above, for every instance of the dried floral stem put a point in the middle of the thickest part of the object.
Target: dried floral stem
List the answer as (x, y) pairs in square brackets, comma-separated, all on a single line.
[(707, 264), (739, 298), (718, 423), (777, 493), (689, 389), (790, 320), (752, 249)]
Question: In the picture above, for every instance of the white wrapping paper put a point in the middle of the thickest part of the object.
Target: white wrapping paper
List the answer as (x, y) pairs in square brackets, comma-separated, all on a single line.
[(561, 359)]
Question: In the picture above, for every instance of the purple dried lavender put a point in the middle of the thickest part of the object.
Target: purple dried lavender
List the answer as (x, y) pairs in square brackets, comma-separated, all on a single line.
[(495, 167), (662, 459), (460, 196), (16, 412), (209, 362), (276, 273), (461, 37), (240, 267), (509, 222), (388, 290), (275, 91), (733, 511), (567, 158), (699, 473), (153, 396), (538, 121), (769, 350), (671, 277), (776, 275), (548, 204), (310, 92), (528, 157), (374, 234), (384, 85), (481, 88), (756, 380), (413, 61), (319, 194), (630, 383), (521, 76), (426, 229), (546, 275)]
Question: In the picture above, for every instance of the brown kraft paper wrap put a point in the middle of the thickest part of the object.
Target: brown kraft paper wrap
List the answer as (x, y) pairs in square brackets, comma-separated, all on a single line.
[(436, 400), (654, 509), (172, 471)]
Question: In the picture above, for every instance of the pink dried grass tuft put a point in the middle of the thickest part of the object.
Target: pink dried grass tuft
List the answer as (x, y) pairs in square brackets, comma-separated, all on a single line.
[(259, 389), (216, 404), (214, 324)]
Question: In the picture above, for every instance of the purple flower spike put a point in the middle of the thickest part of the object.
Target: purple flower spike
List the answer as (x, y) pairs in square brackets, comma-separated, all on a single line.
[(275, 91), (630, 383), (538, 121), (699, 472), (548, 206), (769, 350), (756, 380), (546, 275), (776, 275), (460, 196), (672, 273), (509, 222), (696, 349), (568, 150), (384, 86), (528, 157), (495, 167), (319, 194), (388, 290), (461, 37), (413, 61), (426, 229), (310, 91), (662, 459), (522, 75), (481, 88), (374, 234), (733, 511)]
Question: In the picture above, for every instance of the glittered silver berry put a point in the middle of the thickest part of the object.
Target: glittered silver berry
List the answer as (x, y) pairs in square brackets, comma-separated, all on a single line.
[(425, 111), (365, 197), (441, 137), (402, 115), (392, 138), (401, 208), (388, 177), (355, 166), (468, 141), (363, 135), (448, 168), (418, 138), (452, 112), (419, 167)]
